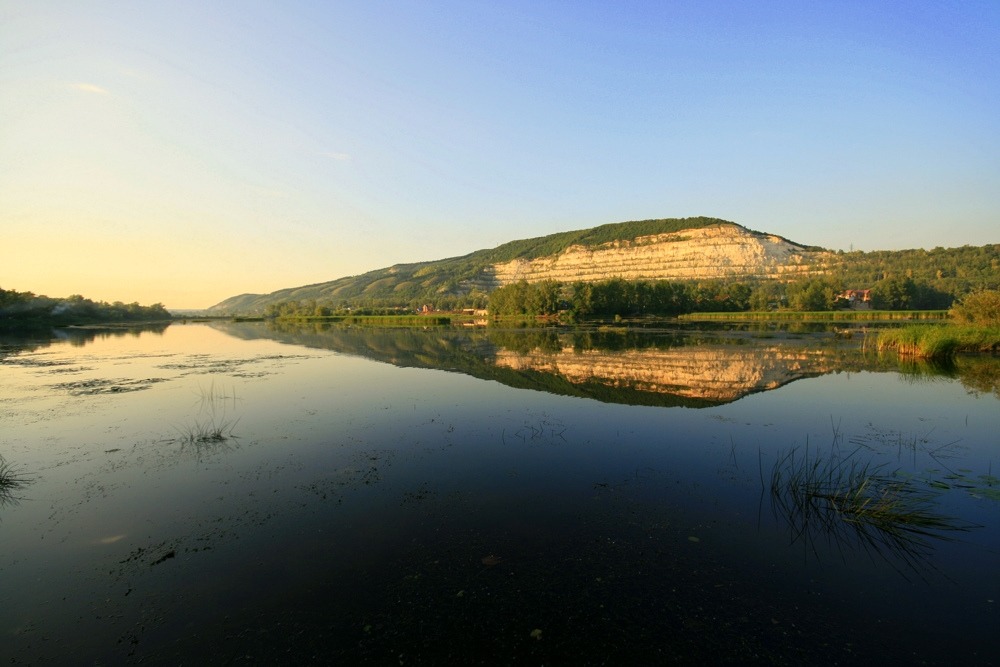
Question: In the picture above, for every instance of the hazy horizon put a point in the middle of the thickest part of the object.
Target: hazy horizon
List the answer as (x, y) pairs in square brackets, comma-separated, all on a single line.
[(185, 153)]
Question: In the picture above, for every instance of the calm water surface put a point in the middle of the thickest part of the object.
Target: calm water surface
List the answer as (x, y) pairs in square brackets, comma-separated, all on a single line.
[(243, 493)]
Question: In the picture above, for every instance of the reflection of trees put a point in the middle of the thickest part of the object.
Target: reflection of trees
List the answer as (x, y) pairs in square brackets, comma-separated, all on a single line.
[(546, 340), (692, 365), (20, 342), (978, 374), (11, 348), (80, 336)]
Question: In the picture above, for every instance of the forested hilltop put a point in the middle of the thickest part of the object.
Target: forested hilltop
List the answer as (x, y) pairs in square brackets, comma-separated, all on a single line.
[(26, 309), (663, 266)]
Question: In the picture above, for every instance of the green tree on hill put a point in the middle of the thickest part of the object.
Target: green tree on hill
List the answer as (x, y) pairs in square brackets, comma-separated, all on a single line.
[(811, 295)]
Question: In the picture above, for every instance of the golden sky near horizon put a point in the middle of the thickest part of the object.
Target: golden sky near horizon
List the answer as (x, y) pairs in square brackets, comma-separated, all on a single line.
[(186, 152)]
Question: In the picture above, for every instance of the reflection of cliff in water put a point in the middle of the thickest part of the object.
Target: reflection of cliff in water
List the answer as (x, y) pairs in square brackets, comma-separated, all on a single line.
[(665, 368), (717, 374)]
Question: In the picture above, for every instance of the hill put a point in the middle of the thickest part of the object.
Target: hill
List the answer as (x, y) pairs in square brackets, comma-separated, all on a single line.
[(686, 249)]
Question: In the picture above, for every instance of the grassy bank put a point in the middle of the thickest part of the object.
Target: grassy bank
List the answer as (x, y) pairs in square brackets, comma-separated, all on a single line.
[(939, 341), (820, 316), (378, 320)]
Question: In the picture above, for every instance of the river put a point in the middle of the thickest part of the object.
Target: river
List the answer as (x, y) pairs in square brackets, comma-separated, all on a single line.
[(245, 493)]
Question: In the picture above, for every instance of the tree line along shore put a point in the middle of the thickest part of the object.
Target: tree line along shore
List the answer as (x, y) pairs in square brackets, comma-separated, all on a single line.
[(26, 310), (973, 321)]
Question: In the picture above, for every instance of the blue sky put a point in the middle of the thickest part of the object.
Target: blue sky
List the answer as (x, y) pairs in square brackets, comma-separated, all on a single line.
[(186, 152)]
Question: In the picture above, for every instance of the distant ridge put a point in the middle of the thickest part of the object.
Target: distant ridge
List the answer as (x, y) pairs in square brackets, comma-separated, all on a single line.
[(664, 249), (691, 249)]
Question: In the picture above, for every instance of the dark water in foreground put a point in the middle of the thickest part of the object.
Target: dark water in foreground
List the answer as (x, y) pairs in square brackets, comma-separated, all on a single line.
[(240, 494)]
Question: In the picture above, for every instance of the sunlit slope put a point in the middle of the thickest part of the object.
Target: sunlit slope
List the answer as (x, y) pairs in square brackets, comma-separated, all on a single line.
[(687, 248)]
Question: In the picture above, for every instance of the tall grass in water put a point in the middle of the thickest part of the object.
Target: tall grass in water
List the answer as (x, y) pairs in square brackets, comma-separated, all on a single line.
[(213, 423), (820, 315), (11, 481), (857, 504), (376, 320), (940, 341)]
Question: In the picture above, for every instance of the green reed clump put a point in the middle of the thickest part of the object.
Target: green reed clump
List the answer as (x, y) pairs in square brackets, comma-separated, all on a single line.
[(214, 424), (820, 315), (399, 320), (11, 481), (856, 503), (940, 341), (919, 341), (374, 320), (208, 431)]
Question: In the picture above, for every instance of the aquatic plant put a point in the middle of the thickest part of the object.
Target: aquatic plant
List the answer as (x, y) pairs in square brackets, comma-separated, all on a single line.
[(856, 503), (940, 341), (207, 432), (819, 315), (11, 481), (213, 424)]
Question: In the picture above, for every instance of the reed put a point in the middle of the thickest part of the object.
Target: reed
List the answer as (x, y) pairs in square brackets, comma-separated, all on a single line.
[(11, 481), (820, 315), (940, 341), (857, 503), (375, 320), (207, 432), (213, 424)]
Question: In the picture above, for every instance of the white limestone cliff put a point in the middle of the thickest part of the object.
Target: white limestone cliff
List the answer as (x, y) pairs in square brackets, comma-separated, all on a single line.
[(720, 251)]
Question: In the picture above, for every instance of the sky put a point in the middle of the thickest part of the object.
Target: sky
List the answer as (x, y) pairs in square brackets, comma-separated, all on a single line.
[(184, 152)]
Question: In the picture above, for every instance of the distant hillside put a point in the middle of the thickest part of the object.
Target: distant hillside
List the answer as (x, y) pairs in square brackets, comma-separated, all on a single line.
[(687, 249)]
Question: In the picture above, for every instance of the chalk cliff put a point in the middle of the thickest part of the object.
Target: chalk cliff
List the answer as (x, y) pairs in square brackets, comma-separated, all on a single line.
[(725, 250)]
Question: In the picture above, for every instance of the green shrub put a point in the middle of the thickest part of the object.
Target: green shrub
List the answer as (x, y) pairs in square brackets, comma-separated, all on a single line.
[(981, 308)]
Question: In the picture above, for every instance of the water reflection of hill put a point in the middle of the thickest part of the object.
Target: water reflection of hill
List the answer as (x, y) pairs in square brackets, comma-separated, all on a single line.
[(692, 369), (716, 374), (639, 368)]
